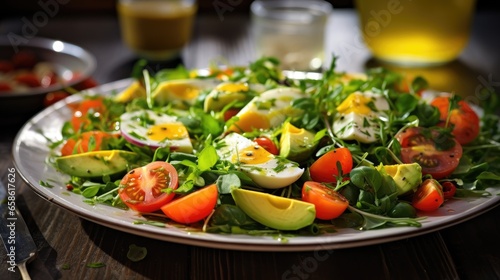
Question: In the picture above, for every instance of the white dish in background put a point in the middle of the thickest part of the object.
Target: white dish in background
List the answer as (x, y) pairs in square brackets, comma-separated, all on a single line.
[(30, 151), (68, 60)]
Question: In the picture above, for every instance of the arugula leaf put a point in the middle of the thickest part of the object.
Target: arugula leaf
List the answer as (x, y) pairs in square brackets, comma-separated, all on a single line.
[(180, 72), (372, 221), (418, 84), (378, 192), (229, 216)]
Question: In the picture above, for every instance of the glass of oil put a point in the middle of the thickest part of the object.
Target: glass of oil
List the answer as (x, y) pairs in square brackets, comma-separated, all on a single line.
[(156, 29), (415, 33)]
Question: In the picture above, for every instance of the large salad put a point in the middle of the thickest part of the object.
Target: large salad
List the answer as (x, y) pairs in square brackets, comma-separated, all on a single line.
[(256, 150)]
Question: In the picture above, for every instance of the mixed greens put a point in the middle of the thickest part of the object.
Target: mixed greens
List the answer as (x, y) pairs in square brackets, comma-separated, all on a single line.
[(375, 144)]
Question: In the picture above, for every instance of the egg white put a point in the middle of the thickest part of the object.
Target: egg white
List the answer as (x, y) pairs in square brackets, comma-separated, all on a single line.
[(362, 127), (274, 106), (135, 130), (263, 174)]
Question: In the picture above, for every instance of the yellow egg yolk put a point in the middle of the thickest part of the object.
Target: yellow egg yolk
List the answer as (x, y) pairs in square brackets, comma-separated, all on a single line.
[(170, 131), (355, 102), (252, 155), (249, 121), (232, 87)]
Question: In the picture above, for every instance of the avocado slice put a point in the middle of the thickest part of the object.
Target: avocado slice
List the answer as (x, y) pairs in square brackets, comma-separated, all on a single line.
[(96, 164), (274, 211), (296, 144), (407, 176)]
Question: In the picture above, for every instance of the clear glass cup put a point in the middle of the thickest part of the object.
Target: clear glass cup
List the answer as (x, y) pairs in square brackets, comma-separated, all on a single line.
[(156, 30), (415, 33), (292, 31)]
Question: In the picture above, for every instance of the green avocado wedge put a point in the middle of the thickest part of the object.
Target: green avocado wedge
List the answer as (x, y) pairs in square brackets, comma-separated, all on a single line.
[(296, 144), (96, 164), (407, 176), (274, 211)]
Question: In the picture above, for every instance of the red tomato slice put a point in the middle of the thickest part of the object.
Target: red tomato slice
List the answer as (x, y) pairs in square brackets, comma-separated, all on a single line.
[(142, 189), (329, 203), (82, 143), (28, 79), (429, 196), (464, 120), (324, 169), (423, 146), (5, 86), (89, 106), (267, 144), (193, 207)]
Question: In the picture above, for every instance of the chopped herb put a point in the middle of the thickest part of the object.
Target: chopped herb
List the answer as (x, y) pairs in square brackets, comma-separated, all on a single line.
[(96, 265), (45, 184), (136, 253), (148, 222)]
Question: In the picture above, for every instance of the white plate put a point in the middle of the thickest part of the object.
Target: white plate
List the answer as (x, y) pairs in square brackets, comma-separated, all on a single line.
[(30, 151)]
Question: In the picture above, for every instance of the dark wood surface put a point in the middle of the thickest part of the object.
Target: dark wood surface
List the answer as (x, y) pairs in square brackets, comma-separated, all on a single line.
[(67, 243)]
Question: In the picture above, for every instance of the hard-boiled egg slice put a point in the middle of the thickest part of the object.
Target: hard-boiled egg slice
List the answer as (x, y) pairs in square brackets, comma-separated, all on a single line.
[(181, 93), (268, 110), (149, 128), (265, 169), (227, 92), (358, 115)]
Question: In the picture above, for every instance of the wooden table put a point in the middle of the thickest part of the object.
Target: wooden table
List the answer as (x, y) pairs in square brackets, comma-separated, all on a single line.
[(67, 243)]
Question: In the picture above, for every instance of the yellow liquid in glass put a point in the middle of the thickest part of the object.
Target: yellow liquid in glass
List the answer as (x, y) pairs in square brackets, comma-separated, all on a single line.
[(415, 32), (156, 29)]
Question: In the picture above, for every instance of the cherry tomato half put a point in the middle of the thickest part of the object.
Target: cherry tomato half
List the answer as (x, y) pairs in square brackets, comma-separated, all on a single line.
[(89, 106), (142, 189), (267, 144), (429, 196), (464, 120), (86, 142), (193, 207), (329, 203), (324, 169), (438, 156)]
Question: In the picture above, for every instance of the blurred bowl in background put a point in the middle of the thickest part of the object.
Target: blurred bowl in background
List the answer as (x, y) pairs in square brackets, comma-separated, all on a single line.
[(63, 65)]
